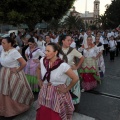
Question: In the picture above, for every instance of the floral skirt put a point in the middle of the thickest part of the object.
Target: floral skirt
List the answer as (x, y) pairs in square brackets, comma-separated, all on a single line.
[(88, 82)]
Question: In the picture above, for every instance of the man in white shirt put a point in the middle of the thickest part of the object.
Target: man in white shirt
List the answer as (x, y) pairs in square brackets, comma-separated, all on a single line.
[(109, 35), (55, 40), (73, 44), (101, 37), (89, 33), (81, 37), (112, 44)]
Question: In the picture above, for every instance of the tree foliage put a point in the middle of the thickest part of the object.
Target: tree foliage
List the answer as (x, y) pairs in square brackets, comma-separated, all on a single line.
[(32, 11), (73, 22), (112, 14), (102, 22), (93, 27), (54, 24)]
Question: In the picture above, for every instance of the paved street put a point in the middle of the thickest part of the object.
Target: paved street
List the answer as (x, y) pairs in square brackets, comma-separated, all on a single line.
[(30, 115), (102, 103)]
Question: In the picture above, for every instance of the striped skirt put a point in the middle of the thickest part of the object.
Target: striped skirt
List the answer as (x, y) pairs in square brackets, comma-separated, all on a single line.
[(15, 93), (58, 102)]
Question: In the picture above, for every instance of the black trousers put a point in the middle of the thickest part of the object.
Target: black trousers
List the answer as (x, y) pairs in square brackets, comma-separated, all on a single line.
[(117, 48), (112, 55), (118, 44), (106, 49)]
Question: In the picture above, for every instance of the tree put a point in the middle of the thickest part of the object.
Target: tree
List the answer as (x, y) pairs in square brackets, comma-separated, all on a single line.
[(54, 24), (73, 22), (93, 27), (102, 21), (32, 11), (112, 14)]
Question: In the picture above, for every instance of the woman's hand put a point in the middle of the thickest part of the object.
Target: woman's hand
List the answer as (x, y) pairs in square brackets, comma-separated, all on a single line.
[(62, 89), (74, 67), (40, 83), (13, 70)]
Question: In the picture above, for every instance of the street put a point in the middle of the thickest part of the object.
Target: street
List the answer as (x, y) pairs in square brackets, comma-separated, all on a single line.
[(103, 103)]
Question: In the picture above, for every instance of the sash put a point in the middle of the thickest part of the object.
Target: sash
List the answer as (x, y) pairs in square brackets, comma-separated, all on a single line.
[(65, 55), (30, 55)]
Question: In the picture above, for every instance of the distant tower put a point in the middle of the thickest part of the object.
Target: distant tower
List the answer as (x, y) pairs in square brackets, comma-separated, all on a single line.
[(96, 8)]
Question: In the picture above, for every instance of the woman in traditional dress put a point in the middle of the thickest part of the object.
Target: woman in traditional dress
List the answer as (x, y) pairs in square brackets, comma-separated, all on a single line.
[(54, 100), (99, 57), (32, 54), (89, 70), (74, 59), (15, 93)]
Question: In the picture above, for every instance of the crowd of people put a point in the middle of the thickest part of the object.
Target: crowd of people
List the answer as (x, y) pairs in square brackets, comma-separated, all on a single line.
[(58, 65)]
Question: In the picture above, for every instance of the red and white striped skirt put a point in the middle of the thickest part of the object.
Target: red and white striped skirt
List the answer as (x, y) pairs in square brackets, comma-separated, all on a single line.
[(15, 93), (59, 103)]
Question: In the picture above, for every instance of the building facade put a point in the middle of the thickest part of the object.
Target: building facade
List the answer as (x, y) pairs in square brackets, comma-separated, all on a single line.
[(88, 17)]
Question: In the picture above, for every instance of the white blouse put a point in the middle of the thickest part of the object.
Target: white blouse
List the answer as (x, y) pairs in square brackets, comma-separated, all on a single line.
[(17, 48), (58, 75), (90, 52), (71, 55), (35, 54), (9, 58)]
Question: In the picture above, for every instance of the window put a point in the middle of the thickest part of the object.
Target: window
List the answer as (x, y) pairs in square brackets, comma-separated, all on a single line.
[(96, 6)]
